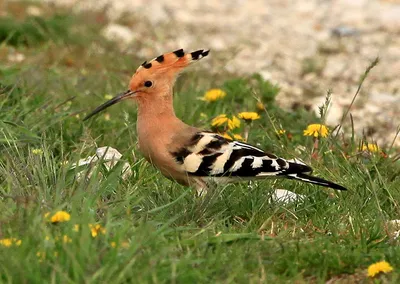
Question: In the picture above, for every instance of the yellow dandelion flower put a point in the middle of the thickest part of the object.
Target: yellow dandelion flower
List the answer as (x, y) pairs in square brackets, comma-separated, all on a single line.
[(226, 135), (96, 229), (113, 244), (249, 116), (219, 120), (370, 147), (47, 238), (37, 152), (316, 130), (238, 137), (107, 117), (6, 242), (75, 228), (10, 241), (379, 267), (223, 119), (108, 97), (59, 217), (125, 244), (233, 123), (280, 131), (64, 163), (66, 239), (203, 115), (213, 95), (260, 106), (41, 255)]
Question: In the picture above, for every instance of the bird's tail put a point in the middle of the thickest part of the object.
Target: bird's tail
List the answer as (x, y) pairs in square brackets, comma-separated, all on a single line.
[(315, 180), (300, 171)]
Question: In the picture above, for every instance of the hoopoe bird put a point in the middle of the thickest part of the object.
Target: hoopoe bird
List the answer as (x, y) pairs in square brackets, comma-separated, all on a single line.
[(188, 155)]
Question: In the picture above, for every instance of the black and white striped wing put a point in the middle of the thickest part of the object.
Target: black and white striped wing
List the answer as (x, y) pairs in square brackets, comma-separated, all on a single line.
[(211, 155)]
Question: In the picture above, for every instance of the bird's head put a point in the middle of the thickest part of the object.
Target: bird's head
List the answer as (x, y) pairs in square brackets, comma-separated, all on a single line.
[(155, 78)]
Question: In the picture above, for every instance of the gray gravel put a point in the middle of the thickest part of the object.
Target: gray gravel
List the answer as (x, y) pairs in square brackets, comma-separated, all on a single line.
[(306, 46)]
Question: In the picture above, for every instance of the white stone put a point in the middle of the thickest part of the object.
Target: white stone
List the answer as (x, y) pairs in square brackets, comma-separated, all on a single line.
[(33, 11), (335, 66), (16, 57), (394, 228), (217, 43), (390, 18), (395, 223), (118, 33), (286, 196), (384, 98), (61, 3), (109, 156)]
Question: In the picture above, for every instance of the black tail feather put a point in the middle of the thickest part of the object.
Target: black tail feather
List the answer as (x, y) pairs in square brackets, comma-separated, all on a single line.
[(315, 180)]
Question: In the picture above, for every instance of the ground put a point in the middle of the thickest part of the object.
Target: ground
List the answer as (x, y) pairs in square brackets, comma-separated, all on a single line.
[(90, 223)]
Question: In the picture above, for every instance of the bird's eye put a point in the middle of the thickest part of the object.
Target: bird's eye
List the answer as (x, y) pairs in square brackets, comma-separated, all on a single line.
[(148, 84)]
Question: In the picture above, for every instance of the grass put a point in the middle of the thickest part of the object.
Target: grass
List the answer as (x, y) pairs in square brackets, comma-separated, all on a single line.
[(160, 230)]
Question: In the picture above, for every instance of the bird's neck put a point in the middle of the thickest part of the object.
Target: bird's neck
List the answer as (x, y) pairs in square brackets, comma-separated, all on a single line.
[(156, 108), (156, 126)]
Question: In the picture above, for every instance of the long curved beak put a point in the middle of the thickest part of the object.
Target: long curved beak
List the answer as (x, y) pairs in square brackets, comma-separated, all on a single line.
[(109, 103)]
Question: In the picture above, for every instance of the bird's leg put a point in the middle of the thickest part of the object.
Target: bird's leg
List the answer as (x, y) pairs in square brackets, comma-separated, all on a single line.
[(201, 190), (315, 148), (201, 187)]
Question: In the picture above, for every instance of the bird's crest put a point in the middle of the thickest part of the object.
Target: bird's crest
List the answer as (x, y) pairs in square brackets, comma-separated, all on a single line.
[(158, 74), (175, 60)]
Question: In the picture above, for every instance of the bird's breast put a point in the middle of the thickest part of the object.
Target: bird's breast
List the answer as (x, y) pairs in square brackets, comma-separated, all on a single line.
[(156, 150)]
